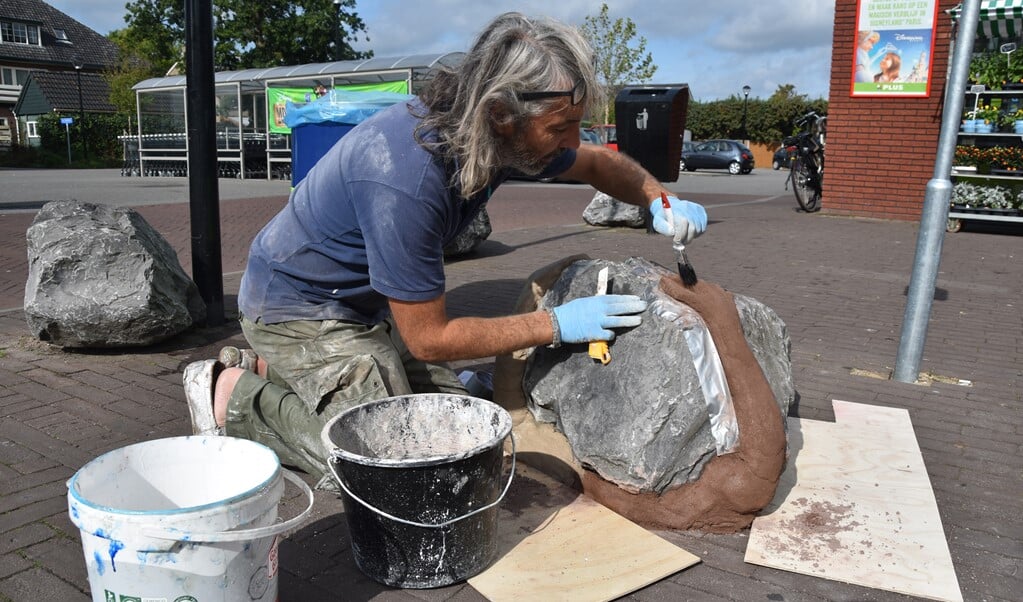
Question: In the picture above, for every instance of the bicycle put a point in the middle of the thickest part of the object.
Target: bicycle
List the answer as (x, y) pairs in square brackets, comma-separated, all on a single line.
[(806, 171)]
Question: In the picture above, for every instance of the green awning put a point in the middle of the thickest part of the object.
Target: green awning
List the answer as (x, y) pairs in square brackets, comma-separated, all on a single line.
[(998, 18)]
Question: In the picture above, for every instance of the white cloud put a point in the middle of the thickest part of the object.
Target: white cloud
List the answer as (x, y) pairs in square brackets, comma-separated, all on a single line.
[(716, 46)]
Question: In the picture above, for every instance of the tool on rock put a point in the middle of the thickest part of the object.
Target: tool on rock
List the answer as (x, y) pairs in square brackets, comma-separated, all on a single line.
[(685, 269), (598, 349)]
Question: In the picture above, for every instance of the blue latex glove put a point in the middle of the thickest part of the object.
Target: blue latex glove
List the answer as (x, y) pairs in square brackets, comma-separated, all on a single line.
[(590, 318), (690, 219)]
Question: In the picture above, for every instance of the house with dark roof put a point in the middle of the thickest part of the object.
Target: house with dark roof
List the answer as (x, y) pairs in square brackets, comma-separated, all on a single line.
[(35, 37), (64, 92)]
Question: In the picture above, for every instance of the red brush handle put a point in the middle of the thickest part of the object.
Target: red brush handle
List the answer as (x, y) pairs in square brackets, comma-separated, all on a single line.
[(664, 201)]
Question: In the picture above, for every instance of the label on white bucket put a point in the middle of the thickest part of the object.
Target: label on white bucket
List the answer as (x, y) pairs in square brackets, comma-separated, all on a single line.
[(161, 522), (110, 596), (272, 561)]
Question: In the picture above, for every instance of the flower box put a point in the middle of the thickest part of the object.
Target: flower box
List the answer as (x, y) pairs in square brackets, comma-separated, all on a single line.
[(985, 210)]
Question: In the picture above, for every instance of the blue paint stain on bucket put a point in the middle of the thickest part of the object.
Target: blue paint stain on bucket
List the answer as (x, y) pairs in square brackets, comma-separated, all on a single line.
[(182, 517)]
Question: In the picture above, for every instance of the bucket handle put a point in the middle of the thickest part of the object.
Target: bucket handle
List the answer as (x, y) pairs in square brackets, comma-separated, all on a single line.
[(403, 521), (240, 534)]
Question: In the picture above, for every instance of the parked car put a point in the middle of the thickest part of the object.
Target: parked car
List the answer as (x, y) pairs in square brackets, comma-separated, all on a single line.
[(783, 157), (608, 134), (589, 135), (734, 156)]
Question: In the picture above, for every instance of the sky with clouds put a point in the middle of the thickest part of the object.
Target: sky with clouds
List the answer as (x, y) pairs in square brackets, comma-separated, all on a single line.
[(716, 47)]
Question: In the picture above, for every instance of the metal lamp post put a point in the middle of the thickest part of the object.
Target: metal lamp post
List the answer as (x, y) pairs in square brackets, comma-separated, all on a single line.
[(81, 111), (745, 101)]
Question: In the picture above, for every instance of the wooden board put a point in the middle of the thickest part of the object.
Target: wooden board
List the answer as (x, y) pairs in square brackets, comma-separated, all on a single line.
[(855, 505), (557, 544)]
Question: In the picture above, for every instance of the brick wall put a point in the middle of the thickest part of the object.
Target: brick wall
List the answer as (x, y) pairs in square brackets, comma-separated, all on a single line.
[(881, 151)]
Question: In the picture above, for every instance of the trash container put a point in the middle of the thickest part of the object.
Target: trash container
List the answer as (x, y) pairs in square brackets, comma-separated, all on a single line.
[(316, 126), (309, 142), (651, 120)]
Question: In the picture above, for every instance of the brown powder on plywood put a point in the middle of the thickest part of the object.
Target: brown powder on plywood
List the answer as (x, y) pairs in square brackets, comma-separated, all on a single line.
[(813, 530)]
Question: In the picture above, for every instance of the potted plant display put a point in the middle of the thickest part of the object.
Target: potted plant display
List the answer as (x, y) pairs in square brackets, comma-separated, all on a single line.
[(987, 118)]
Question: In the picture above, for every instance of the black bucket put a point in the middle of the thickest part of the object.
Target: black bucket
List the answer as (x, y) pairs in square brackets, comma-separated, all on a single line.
[(422, 476)]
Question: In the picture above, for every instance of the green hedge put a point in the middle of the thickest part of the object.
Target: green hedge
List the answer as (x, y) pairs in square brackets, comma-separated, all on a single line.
[(96, 132)]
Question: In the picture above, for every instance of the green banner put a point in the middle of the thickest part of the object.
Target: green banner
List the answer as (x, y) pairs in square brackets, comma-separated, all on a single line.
[(277, 99)]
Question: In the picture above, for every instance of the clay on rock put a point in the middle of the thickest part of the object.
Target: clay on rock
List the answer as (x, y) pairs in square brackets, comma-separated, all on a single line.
[(639, 425)]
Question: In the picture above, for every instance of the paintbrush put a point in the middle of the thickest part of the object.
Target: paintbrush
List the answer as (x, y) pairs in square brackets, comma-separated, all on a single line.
[(685, 269)]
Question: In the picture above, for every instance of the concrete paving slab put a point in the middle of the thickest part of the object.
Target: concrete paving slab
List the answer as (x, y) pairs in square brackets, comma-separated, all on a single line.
[(839, 284)]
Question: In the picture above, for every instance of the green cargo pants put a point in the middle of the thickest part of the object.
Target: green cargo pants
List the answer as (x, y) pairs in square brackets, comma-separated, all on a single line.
[(318, 369)]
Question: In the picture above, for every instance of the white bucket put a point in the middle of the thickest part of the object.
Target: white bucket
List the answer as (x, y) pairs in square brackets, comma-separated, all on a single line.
[(183, 519)]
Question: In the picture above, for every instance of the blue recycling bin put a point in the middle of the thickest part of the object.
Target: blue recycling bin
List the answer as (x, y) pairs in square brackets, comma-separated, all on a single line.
[(309, 142), (316, 126)]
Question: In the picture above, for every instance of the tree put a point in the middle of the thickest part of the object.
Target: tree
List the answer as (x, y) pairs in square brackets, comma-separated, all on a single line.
[(131, 68), (616, 62), (154, 39), (266, 33), (768, 120), (271, 33)]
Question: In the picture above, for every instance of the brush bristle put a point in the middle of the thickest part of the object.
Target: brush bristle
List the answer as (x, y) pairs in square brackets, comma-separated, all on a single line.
[(687, 274)]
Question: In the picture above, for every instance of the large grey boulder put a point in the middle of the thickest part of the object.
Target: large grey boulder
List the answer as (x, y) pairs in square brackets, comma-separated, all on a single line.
[(101, 276), (605, 210), (642, 421), (475, 233)]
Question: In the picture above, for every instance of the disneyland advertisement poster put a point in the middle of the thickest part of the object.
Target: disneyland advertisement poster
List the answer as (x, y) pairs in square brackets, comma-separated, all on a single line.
[(893, 46)]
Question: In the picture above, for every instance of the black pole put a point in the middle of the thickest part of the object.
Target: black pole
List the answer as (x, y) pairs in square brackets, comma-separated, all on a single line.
[(203, 194), (81, 113), (745, 101)]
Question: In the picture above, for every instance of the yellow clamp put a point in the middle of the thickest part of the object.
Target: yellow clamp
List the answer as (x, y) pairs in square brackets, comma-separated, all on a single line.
[(598, 351)]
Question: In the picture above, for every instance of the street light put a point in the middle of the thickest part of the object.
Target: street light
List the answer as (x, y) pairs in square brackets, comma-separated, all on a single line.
[(337, 30), (745, 101), (81, 110)]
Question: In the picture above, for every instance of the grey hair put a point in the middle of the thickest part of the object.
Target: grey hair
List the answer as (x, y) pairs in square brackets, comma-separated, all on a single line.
[(513, 54)]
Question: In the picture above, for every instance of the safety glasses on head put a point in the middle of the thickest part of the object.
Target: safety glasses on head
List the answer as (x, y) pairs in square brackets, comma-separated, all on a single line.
[(575, 94)]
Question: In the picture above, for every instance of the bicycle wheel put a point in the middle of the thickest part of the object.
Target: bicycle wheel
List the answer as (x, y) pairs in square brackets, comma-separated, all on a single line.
[(808, 197)]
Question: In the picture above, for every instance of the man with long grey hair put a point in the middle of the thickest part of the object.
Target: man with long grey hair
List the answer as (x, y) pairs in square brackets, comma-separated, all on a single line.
[(343, 297)]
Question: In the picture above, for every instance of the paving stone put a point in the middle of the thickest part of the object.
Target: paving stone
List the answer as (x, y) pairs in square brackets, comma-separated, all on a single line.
[(844, 310), (64, 557), (23, 536), (12, 563), (11, 485), (38, 584)]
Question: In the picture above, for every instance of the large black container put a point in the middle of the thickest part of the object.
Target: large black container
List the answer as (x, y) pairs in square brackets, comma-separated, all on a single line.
[(427, 471), (650, 123)]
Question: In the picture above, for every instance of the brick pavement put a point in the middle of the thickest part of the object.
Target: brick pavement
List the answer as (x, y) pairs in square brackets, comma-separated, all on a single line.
[(839, 284)]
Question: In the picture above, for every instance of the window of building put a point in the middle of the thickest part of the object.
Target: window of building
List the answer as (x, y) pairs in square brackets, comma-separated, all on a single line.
[(10, 76), (16, 32), (3, 122), (61, 35), (30, 127)]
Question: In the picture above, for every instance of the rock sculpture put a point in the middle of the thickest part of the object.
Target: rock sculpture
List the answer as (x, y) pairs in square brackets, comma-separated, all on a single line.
[(101, 276), (475, 233), (638, 432), (605, 210)]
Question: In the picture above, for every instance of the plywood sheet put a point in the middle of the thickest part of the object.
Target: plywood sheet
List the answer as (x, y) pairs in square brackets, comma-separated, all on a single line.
[(557, 544), (855, 505)]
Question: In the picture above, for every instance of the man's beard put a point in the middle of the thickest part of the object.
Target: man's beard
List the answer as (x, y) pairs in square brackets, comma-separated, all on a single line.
[(516, 155)]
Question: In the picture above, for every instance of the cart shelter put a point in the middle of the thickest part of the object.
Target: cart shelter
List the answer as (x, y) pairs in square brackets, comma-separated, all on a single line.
[(252, 140)]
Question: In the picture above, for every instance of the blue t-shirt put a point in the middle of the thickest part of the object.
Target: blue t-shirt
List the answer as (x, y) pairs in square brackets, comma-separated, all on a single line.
[(368, 222)]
